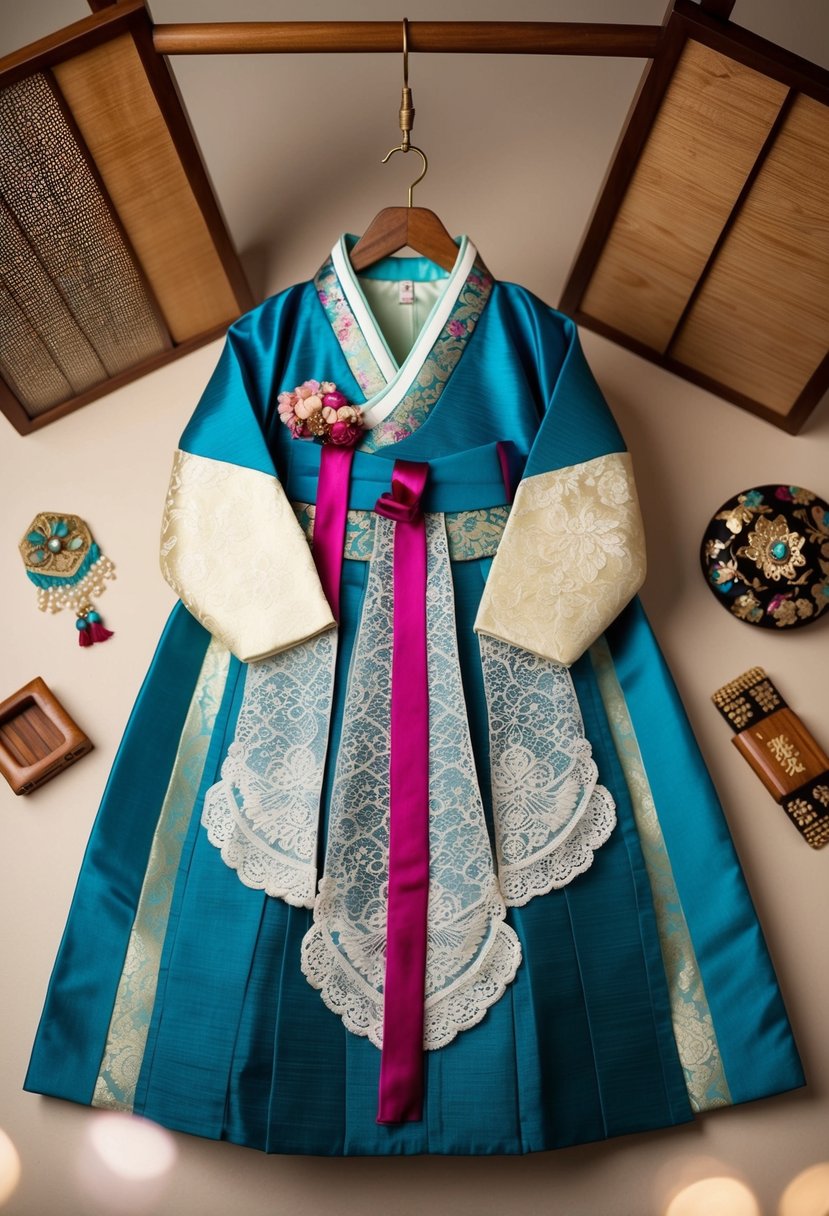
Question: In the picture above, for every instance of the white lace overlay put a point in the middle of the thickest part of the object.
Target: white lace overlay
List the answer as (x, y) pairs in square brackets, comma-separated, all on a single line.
[(472, 955), (572, 555), (264, 812), (233, 552), (550, 815)]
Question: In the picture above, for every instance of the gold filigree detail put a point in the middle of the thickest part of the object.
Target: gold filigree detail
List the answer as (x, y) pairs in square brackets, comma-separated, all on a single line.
[(741, 684), (740, 712), (742, 513), (774, 549), (802, 812), (747, 607), (817, 834), (70, 536), (821, 794), (732, 699), (765, 694)]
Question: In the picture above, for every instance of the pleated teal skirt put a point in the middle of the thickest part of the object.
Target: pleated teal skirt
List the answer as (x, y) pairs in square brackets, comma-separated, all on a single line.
[(645, 994)]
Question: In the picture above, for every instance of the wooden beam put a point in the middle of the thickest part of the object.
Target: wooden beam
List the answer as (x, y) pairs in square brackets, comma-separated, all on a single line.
[(436, 37)]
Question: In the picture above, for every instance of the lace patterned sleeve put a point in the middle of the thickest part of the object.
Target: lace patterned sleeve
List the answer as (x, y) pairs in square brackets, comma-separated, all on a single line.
[(231, 547), (573, 551)]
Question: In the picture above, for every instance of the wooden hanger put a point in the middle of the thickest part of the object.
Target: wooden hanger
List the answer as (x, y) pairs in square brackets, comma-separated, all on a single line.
[(394, 228)]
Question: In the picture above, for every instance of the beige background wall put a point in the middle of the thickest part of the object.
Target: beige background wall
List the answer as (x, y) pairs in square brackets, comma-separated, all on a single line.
[(518, 148)]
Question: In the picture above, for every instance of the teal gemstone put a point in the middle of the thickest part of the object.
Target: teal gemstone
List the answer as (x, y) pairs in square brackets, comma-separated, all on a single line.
[(780, 550), (38, 556), (81, 623), (61, 528), (75, 543), (35, 538), (93, 617)]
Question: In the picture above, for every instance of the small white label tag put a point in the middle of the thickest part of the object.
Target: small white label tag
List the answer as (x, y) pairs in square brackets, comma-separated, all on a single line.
[(406, 291)]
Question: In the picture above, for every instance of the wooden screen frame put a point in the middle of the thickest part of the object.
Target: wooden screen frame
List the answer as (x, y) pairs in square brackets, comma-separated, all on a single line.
[(128, 17), (687, 21)]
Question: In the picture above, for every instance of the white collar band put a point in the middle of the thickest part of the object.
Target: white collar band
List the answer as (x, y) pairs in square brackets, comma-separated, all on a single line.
[(399, 380)]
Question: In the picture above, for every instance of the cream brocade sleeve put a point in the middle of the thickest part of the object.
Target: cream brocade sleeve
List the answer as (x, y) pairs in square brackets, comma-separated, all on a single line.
[(571, 557), (233, 551)]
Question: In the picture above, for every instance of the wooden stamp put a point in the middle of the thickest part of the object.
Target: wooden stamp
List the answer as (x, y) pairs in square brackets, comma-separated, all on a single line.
[(793, 767), (38, 739)]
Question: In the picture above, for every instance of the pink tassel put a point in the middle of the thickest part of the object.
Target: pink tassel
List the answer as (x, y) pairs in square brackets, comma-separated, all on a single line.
[(99, 633), (83, 638)]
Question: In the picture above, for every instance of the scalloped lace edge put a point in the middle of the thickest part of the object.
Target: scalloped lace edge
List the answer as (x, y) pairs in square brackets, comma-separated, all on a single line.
[(558, 868), (362, 1012), (256, 867)]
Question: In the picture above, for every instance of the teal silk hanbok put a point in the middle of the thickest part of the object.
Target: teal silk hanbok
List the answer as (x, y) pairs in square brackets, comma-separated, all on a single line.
[(408, 731)]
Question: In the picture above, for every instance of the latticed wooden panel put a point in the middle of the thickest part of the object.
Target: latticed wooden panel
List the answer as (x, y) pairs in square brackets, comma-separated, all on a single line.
[(708, 250), (760, 323), (114, 256), (710, 128), (122, 124)]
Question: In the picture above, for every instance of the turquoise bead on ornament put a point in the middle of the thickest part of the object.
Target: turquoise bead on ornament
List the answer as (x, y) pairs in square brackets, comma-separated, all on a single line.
[(81, 623), (93, 617), (780, 550)]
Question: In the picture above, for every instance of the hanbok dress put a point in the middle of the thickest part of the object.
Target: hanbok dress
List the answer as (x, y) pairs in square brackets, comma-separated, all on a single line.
[(438, 637)]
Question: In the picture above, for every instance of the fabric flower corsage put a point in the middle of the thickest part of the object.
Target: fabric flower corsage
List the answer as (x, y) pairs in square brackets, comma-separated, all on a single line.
[(317, 410), (67, 567)]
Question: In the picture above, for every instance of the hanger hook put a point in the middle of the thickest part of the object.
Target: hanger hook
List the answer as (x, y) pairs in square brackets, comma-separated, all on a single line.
[(410, 148), (407, 116), (406, 103)]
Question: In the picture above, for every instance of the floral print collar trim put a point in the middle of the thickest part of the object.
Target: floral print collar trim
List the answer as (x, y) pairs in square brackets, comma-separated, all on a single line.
[(361, 361), (398, 400)]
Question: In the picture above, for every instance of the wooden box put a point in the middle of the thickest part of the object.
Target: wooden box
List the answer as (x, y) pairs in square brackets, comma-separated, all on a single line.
[(38, 739)]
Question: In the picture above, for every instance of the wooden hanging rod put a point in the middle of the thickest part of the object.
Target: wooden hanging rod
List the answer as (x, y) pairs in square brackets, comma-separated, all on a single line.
[(453, 37)]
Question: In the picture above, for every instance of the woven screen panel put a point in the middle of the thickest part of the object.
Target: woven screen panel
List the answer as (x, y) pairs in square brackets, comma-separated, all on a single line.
[(68, 278), (710, 128), (122, 123), (760, 323), (33, 376), (44, 357)]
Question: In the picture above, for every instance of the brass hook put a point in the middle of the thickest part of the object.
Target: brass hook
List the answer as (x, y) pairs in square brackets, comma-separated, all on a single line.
[(407, 112), (410, 148), (405, 52)]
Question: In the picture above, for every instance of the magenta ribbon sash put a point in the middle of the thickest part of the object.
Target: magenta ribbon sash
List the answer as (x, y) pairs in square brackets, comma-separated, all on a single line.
[(330, 520), (401, 1065)]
